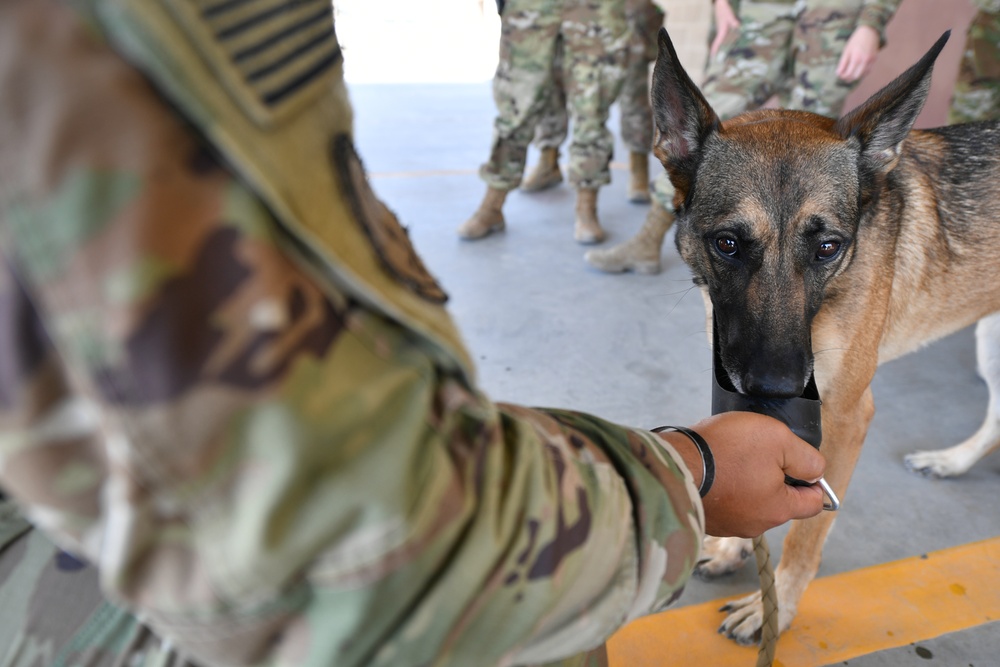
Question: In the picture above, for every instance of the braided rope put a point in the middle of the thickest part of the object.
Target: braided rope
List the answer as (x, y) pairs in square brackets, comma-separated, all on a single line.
[(769, 598)]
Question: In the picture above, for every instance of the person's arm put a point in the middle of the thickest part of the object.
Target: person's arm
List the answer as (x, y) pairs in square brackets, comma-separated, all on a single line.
[(859, 54), (876, 14), (868, 38), (568, 522), (725, 22), (268, 470)]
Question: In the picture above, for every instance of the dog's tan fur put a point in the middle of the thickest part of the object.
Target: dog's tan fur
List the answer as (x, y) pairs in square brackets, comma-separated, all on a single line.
[(913, 217)]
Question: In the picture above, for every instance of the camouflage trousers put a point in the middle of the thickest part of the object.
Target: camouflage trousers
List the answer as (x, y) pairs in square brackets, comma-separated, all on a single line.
[(977, 89), (593, 38), (55, 614), (644, 20), (784, 49), (790, 50)]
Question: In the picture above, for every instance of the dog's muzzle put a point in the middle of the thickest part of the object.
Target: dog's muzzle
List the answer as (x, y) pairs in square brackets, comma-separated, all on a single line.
[(801, 413)]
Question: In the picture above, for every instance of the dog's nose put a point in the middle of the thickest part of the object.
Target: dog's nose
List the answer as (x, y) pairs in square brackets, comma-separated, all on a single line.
[(773, 385)]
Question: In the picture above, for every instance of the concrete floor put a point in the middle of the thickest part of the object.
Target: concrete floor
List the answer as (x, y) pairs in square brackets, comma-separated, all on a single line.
[(547, 330)]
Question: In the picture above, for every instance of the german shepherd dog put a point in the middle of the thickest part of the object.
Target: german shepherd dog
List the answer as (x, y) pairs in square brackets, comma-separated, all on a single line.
[(827, 247)]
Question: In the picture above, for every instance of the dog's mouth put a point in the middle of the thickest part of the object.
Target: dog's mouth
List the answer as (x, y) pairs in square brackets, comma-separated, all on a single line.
[(801, 413)]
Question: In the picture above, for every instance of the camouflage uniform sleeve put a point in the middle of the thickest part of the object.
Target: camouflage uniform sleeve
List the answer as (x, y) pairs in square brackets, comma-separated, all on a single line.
[(263, 467), (877, 14)]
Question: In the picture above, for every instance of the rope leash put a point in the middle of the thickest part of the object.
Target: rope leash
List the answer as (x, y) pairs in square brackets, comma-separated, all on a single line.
[(761, 552), (769, 598), (804, 417)]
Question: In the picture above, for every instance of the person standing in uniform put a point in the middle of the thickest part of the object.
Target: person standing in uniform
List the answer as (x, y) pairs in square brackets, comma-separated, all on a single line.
[(809, 53), (977, 89), (644, 19), (593, 39)]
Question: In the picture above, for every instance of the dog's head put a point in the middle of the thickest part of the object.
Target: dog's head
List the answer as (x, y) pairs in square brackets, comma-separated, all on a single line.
[(769, 205)]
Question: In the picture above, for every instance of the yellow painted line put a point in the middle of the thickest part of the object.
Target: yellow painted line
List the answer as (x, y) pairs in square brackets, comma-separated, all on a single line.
[(840, 617)]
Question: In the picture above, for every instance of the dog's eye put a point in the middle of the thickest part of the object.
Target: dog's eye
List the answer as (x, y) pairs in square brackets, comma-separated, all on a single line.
[(827, 250), (727, 245)]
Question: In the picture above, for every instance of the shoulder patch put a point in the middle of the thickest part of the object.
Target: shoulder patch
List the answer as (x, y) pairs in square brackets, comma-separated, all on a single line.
[(273, 56), (389, 238)]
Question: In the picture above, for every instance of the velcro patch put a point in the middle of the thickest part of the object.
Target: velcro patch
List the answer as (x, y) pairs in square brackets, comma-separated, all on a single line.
[(274, 56), (389, 238)]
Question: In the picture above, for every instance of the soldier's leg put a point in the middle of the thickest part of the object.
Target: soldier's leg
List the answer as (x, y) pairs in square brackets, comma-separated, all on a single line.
[(753, 61), (745, 73), (637, 126), (551, 131), (644, 20), (821, 32), (641, 253), (595, 50), (527, 46), (977, 90)]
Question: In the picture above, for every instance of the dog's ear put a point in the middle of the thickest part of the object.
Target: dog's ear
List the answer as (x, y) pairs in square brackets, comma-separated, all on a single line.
[(883, 121), (682, 118)]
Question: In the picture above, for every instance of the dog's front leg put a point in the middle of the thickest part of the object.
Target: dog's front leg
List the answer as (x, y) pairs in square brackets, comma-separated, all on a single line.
[(845, 424), (721, 556)]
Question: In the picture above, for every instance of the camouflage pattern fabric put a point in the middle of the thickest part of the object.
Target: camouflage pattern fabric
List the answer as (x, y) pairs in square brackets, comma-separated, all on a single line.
[(228, 383), (553, 125), (977, 88), (987, 5), (786, 49), (594, 39), (644, 20), (55, 615)]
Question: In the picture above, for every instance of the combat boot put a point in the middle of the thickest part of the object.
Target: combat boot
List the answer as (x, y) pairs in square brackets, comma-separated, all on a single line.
[(638, 186), (588, 228), (488, 218), (546, 173), (641, 253)]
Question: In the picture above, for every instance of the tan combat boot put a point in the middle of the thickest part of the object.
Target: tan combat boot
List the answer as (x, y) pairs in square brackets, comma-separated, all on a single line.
[(546, 173), (588, 228), (488, 218), (641, 253), (638, 186)]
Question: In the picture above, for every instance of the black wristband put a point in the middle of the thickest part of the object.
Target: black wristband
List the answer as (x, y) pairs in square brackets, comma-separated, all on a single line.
[(707, 460)]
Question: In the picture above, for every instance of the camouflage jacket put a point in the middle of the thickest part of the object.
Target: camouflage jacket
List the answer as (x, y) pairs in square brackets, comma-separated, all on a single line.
[(228, 381), (877, 14), (873, 13), (989, 6)]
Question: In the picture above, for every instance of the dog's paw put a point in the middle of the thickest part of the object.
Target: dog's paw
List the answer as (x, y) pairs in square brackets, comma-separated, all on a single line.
[(934, 464), (721, 556), (746, 616)]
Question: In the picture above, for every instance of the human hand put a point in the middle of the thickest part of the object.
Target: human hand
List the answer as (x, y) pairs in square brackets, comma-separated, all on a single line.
[(752, 453), (725, 21), (859, 54)]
